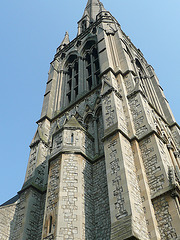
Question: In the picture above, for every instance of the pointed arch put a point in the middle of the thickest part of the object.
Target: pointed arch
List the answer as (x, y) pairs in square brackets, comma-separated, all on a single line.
[(72, 77), (88, 121), (92, 67)]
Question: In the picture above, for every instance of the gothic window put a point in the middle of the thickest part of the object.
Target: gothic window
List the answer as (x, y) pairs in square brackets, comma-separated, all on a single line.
[(89, 71), (146, 86), (142, 77), (72, 79), (92, 67), (76, 79), (89, 124), (96, 65), (69, 84)]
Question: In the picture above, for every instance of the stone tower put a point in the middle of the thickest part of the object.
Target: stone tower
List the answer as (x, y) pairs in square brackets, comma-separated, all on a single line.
[(105, 160)]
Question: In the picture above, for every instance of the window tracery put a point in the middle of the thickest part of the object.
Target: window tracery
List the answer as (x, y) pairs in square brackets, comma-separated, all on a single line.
[(72, 90), (81, 73), (92, 67)]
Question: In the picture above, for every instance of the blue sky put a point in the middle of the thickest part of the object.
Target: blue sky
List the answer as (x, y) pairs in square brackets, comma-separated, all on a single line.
[(30, 32)]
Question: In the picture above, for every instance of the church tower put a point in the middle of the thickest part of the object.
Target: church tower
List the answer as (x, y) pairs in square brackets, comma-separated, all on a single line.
[(104, 163)]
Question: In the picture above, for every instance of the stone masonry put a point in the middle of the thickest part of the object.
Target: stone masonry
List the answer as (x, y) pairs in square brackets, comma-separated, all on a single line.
[(104, 163)]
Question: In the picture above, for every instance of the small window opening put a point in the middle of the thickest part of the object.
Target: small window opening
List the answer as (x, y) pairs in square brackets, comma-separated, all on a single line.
[(94, 30), (84, 25), (63, 56), (72, 138), (50, 224), (138, 64)]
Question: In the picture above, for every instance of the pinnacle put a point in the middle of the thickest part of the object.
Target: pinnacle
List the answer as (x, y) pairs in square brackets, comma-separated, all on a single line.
[(65, 41)]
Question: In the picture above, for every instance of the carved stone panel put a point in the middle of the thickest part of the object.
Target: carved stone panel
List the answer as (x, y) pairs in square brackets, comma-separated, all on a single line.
[(124, 192)]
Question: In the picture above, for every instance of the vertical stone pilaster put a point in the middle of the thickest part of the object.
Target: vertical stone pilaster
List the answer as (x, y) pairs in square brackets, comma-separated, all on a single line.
[(149, 213), (141, 113), (127, 216), (157, 162)]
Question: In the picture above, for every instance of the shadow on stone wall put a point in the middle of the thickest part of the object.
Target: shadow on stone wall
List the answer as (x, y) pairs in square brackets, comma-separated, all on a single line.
[(97, 212), (29, 212)]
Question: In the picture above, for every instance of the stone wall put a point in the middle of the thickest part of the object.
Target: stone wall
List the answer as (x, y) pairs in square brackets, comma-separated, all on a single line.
[(52, 198), (28, 216), (77, 193), (6, 218), (127, 214), (164, 218), (101, 201)]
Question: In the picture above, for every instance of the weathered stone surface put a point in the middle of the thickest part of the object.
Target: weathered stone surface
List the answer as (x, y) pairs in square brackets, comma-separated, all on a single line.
[(6, 220), (105, 160)]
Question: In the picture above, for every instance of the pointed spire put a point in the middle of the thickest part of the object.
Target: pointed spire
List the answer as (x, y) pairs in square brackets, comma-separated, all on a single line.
[(65, 41), (93, 8)]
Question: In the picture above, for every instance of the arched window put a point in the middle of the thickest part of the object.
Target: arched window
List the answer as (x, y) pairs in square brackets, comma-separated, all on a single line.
[(89, 124), (89, 71), (76, 77), (96, 65), (72, 78), (92, 66), (141, 74), (69, 83)]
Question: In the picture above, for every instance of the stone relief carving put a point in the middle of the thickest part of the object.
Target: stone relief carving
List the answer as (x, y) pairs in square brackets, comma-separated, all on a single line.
[(116, 180), (164, 218), (109, 111), (153, 170)]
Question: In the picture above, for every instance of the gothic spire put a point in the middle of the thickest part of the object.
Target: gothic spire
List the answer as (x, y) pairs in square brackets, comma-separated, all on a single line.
[(93, 8)]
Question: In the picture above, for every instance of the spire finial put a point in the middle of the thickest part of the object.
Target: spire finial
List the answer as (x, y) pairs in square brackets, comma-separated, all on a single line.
[(93, 8)]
